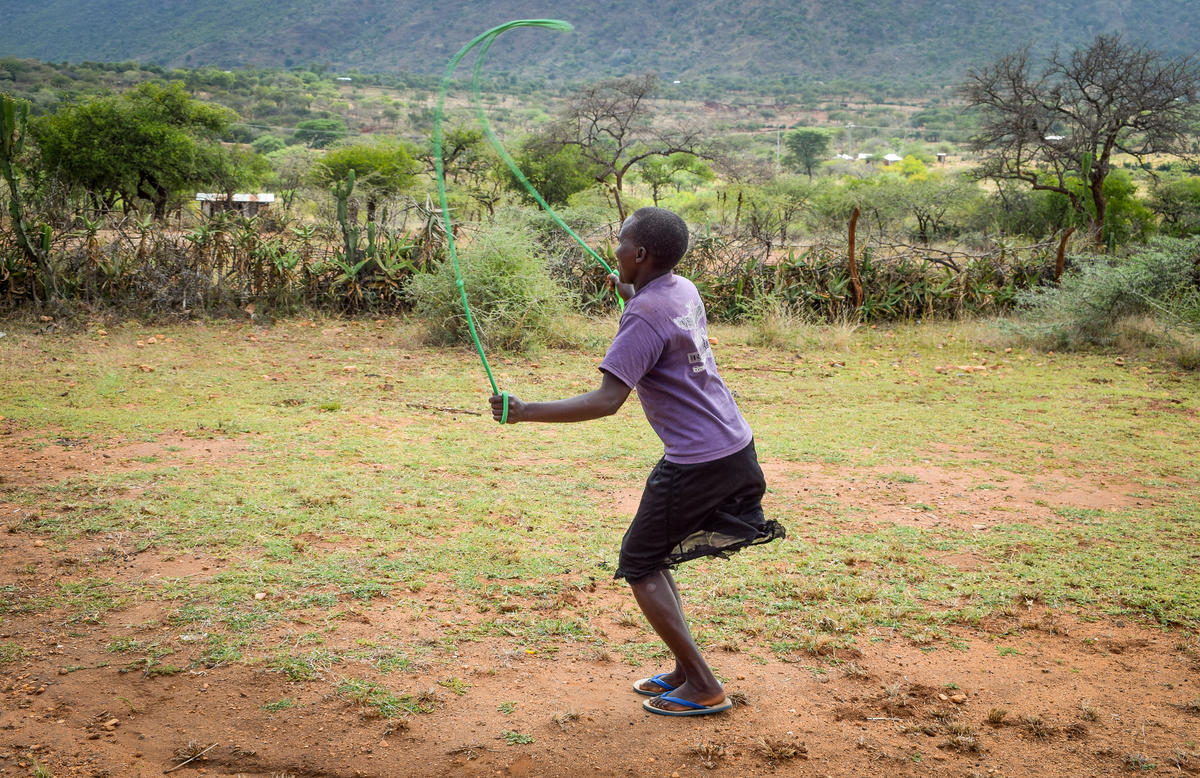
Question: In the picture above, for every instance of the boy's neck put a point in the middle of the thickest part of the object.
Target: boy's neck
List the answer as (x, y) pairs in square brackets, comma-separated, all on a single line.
[(651, 275)]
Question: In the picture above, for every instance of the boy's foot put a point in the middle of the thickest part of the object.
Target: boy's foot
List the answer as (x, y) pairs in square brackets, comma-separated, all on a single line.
[(680, 703), (656, 684), (667, 705)]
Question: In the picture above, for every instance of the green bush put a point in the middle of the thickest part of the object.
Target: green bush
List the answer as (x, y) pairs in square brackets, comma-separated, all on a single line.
[(1085, 308), (515, 302)]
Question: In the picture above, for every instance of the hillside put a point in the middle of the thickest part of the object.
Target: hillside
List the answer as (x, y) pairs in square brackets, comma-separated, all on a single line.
[(932, 41)]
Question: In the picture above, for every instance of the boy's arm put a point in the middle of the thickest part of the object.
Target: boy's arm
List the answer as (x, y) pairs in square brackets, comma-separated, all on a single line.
[(584, 407)]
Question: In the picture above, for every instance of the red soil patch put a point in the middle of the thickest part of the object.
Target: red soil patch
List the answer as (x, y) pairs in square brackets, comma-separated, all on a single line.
[(1078, 697), (26, 462)]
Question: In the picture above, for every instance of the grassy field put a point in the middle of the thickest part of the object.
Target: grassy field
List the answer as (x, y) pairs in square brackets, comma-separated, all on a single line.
[(246, 492)]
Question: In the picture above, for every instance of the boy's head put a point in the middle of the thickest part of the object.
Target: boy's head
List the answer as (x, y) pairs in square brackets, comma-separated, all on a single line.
[(662, 233)]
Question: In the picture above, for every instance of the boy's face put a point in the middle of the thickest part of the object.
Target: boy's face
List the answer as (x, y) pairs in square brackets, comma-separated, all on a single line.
[(630, 255)]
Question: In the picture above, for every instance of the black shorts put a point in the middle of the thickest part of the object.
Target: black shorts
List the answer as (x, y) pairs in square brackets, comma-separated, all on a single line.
[(688, 511)]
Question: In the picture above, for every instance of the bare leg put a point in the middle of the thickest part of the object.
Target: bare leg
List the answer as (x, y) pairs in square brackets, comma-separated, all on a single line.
[(677, 676), (658, 597)]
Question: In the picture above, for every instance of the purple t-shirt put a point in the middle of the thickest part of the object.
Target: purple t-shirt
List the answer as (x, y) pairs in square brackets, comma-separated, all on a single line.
[(661, 349)]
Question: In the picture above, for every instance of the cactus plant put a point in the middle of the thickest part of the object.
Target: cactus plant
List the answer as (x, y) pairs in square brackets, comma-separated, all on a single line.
[(14, 119), (341, 193)]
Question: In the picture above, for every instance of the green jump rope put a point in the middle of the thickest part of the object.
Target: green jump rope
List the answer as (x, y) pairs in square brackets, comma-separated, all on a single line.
[(484, 41)]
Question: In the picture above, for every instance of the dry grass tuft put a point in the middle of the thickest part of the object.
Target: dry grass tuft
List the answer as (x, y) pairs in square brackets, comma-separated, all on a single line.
[(1187, 355), (628, 618), (854, 670), (960, 728), (1139, 762), (472, 751), (945, 716), (1075, 731), (996, 716), (776, 750), (1043, 623), (739, 698), (1037, 727), (964, 744), (190, 751), (1184, 760), (601, 655), (397, 725), (564, 717), (709, 753)]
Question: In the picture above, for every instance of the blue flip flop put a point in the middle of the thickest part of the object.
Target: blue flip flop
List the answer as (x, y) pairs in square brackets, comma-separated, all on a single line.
[(657, 680), (695, 708)]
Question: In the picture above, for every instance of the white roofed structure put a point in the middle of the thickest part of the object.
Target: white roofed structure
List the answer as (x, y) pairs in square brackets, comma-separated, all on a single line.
[(244, 203)]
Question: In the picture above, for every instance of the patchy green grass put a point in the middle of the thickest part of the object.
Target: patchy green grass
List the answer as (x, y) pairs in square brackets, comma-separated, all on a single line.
[(280, 705), (375, 700), (322, 473), (12, 652)]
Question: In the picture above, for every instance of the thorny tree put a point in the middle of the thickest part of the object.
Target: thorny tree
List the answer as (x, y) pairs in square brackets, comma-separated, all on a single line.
[(609, 122), (1058, 131)]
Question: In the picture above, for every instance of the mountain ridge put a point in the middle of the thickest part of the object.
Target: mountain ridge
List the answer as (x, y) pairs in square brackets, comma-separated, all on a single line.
[(933, 40)]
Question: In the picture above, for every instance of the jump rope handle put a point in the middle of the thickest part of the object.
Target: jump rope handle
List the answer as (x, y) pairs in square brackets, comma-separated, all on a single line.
[(504, 414)]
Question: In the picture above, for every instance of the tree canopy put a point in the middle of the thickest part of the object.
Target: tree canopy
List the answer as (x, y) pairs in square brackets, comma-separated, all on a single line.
[(150, 143), (1057, 129), (382, 168), (319, 133), (556, 175), (609, 123), (806, 148)]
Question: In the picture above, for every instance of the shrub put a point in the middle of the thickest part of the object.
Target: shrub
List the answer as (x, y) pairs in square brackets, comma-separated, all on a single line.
[(568, 263), (515, 303), (1086, 307)]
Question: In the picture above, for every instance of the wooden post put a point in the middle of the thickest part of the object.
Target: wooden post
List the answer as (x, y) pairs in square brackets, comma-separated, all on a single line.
[(1062, 249), (854, 279)]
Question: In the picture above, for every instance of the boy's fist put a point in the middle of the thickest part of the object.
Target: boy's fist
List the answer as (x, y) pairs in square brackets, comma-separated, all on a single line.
[(515, 407)]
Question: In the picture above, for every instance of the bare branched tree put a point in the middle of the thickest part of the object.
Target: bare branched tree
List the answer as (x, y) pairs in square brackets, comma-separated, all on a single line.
[(610, 123), (1058, 130)]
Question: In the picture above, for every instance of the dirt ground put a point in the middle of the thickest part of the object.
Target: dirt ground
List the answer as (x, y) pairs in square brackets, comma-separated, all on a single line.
[(1082, 697)]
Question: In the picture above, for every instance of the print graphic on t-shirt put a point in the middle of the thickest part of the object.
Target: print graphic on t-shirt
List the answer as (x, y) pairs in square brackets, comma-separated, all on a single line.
[(690, 322)]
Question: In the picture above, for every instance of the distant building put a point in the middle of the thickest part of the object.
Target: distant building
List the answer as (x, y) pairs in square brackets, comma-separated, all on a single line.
[(244, 204), (890, 158), (941, 156)]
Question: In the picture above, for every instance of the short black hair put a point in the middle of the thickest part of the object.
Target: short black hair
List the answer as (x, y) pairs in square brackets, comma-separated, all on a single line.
[(662, 233)]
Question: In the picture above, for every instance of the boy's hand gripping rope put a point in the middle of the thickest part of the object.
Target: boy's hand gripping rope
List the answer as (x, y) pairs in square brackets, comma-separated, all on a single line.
[(484, 41)]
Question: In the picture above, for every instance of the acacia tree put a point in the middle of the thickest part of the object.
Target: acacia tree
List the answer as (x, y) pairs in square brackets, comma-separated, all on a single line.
[(152, 142), (555, 176), (805, 149), (661, 172), (610, 123), (933, 202), (383, 168), (1058, 130)]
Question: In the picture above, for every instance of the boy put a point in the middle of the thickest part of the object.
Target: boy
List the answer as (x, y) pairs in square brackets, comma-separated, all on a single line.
[(703, 496)]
